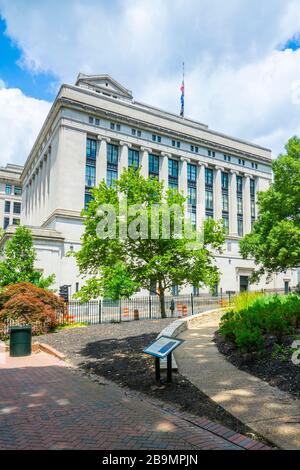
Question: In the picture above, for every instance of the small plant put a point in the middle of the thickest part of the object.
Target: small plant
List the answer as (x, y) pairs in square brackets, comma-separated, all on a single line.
[(282, 353)]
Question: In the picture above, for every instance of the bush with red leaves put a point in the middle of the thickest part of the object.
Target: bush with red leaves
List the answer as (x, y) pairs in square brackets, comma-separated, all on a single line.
[(26, 303)]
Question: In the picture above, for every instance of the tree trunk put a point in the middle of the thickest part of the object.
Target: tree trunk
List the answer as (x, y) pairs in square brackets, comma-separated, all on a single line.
[(162, 301)]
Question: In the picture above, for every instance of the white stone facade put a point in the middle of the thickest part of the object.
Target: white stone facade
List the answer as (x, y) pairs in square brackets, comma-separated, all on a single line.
[(98, 110), (10, 195)]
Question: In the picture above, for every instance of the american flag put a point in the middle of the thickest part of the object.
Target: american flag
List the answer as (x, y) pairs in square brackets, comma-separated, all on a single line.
[(182, 96)]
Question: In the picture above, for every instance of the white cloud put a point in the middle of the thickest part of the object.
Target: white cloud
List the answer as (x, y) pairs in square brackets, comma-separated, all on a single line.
[(236, 80), (20, 121)]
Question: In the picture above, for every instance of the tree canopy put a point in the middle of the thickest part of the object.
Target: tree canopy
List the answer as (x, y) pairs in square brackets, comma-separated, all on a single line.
[(18, 261), (120, 265), (274, 242)]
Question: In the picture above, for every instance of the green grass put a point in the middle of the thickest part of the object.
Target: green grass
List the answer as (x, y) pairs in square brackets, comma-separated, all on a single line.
[(68, 326)]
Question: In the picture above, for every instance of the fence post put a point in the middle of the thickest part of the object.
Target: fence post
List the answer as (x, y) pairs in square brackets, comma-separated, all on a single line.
[(100, 311), (192, 303), (120, 310), (150, 307)]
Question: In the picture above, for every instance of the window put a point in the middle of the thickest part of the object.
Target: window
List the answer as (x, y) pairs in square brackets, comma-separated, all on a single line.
[(17, 190), (16, 221), (252, 188), (191, 172), (112, 154), (196, 149), (225, 205), (240, 226), (241, 162), (8, 189), (7, 206), (133, 132), (17, 208), (91, 120), (112, 126), (239, 184), (209, 177), (175, 290), (139, 133), (178, 145), (5, 222), (118, 127), (211, 153), (225, 181), (173, 143), (193, 217), (91, 149), (87, 199), (173, 168), (239, 204), (254, 165), (156, 138), (226, 224), (253, 209), (90, 175), (111, 176), (133, 158), (192, 148), (191, 199), (97, 122), (153, 165), (196, 291), (227, 158), (173, 173), (208, 200)]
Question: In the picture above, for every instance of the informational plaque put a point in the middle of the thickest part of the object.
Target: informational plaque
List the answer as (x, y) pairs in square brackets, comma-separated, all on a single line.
[(163, 346)]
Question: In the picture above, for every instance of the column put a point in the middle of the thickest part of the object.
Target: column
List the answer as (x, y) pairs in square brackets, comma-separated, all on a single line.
[(201, 195), (144, 163), (123, 158), (232, 204), (101, 164), (247, 204), (164, 169), (217, 193), (183, 176)]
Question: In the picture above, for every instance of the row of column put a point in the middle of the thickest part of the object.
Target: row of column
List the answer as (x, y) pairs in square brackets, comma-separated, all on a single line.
[(183, 183)]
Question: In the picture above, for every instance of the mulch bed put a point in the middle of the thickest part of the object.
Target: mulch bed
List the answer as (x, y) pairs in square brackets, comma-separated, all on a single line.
[(273, 364), (114, 351)]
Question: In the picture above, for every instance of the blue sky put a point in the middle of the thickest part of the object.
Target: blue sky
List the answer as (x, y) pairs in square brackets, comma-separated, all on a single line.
[(242, 60), (35, 84)]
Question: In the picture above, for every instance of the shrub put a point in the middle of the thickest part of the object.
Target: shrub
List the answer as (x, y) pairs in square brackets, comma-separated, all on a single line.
[(268, 315), (244, 299), (26, 303)]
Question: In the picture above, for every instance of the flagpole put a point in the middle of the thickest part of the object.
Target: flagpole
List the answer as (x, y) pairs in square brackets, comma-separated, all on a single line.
[(182, 93)]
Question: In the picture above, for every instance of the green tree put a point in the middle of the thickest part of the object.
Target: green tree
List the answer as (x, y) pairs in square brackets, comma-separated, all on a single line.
[(18, 261), (274, 242), (118, 267)]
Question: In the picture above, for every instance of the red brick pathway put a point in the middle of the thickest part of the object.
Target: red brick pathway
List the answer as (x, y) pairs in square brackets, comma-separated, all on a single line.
[(46, 405)]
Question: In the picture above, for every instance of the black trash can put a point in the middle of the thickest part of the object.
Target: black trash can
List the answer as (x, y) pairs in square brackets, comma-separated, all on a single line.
[(20, 341)]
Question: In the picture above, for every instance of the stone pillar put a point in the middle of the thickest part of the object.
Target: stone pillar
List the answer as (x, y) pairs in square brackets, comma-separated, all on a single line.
[(183, 186), (217, 193), (101, 164), (164, 169), (232, 204), (247, 204), (144, 163), (123, 157), (200, 195)]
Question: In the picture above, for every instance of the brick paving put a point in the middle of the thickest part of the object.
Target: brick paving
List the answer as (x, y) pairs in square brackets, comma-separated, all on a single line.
[(44, 404)]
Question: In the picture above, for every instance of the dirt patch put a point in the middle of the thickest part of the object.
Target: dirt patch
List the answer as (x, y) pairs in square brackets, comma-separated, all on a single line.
[(273, 364), (115, 352)]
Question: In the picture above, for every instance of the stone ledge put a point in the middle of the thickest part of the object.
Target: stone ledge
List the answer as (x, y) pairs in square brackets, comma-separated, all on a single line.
[(49, 350)]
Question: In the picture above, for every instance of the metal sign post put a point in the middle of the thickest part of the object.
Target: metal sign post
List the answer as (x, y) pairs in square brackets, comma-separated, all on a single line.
[(163, 347)]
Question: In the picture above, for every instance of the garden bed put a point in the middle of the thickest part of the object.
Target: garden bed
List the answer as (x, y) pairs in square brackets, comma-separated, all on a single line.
[(114, 351), (273, 364)]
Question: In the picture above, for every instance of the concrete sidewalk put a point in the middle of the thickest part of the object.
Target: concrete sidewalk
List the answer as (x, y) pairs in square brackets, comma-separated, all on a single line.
[(267, 410), (44, 404)]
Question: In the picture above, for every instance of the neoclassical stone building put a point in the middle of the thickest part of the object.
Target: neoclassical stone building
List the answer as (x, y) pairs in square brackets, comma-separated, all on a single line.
[(94, 129)]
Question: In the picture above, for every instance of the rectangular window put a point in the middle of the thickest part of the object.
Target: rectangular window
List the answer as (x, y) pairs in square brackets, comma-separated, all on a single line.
[(252, 188), (91, 149), (226, 224), (8, 189), (173, 143), (154, 137), (133, 158), (153, 165), (111, 176), (17, 208), (118, 127), (178, 145), (240, 226), (133, 132), (5, 222), (196, 291), (225, 204), (240, 205), (191, 199), (191, 172), (90, 176), (225, 181), (112, 126), (193, 218), (253, 209), (211, 153), (91, 120), (173, 168), (16, 221), (7, 206), (192, 148), (208, 199), (175, 290), (87, 198), (17, 190), (97, 122), (209, 177), (112, 154), (139, 133), (239, 184)]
